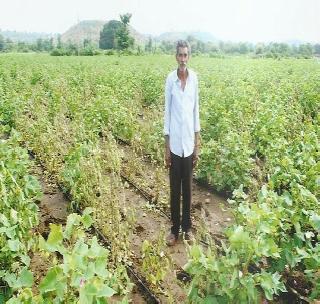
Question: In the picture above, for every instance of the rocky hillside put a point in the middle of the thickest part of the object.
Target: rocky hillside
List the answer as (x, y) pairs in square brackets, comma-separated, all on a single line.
[(90, 29)]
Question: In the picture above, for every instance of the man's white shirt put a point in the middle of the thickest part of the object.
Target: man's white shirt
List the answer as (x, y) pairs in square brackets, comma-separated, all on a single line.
[(181, 117)]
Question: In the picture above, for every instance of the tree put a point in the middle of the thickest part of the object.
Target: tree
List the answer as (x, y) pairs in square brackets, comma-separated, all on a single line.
[(108, 38), (86, 42), (317, 49), (9, 45), (22, 47), (59, 43), (306, 50), (148, 46), (47, 44), (167, 46), (72, 48), (51, 46), (2, 43), (243, 48), (259, 48), (124, 41), (39, 44)]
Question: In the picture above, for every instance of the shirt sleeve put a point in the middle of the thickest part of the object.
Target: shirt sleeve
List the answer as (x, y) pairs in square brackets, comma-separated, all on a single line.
[(196, 108), (167, 108)]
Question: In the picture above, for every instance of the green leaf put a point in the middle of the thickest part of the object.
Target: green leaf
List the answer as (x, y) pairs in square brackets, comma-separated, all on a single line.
[(103, 301), (86, 217), (96, 250), (14, 216), (50, 280), (87, 221), (42, 245), (195, 252), (81, 248), (90, 289), (72, 221), (100, 268), (55, 280), (105, 291), (25, 259), (271, 284), (264, 191), (240, 238), (14, 245), (26, 278), (315, 221), (85, 298), (287, 198), (4, 220), (10, 231), (87, 211), (55, 237)]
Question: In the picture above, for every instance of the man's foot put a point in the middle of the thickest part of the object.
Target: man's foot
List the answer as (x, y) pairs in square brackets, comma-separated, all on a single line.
[(188, 236), (171, 239)]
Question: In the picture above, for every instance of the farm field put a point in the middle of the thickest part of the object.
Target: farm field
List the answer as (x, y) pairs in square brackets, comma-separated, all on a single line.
[(93, 126)]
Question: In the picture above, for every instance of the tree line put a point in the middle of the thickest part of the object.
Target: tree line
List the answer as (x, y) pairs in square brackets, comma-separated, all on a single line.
[(269, 50), (115, 37)]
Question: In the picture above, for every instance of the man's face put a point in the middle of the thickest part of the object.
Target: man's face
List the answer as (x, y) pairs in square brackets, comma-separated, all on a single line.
[(182, 57)]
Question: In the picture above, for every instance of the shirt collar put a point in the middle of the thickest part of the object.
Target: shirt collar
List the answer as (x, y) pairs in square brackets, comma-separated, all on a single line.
[(176, 78)]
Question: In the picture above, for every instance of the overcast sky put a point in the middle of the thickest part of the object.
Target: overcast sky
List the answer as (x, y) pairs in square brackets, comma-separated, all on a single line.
[(240, 20)]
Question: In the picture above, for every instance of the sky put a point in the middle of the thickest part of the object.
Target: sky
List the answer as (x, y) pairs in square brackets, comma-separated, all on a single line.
[(235, 20)]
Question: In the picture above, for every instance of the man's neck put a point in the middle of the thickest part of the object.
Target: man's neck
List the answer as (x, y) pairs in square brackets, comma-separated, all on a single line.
[(182, 73)]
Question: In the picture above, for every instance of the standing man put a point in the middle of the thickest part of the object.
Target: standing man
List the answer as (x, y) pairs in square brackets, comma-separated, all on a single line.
[(182, 139)]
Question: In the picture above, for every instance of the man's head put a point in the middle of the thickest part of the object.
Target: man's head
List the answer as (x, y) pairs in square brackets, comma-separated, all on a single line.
[(183, 53)]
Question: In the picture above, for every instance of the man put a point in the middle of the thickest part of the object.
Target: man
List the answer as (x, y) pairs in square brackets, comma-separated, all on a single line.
[(181, 130)]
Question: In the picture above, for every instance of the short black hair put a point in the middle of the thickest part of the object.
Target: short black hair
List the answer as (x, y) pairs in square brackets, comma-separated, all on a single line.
[(183, 43)]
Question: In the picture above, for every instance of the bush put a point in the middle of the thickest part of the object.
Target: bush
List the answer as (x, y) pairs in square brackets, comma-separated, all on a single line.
[(57, 52), (109, 52), (88, 51)]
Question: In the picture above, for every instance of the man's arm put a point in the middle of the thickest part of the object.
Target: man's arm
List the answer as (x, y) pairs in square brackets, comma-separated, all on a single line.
[(167, 151), (196, 150), (166, 129)]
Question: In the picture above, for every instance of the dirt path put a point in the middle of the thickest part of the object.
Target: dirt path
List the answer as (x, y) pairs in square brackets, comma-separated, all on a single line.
[(208, 210), (53, 208), (207, 206)]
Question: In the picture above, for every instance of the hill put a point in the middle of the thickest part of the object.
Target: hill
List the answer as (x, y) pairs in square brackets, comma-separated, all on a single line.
[(90, 29)]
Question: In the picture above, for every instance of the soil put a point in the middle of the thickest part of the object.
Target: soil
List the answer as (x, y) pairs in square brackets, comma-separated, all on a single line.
[(53, 208), (207, 207)]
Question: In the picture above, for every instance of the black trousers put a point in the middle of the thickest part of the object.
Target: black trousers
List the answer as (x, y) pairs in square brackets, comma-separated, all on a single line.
[(180, 178)]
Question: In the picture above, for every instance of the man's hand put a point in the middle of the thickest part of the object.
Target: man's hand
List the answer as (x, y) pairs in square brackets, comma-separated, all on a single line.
[(168, 157), (195, 156), (167, 153), (196, 150)]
